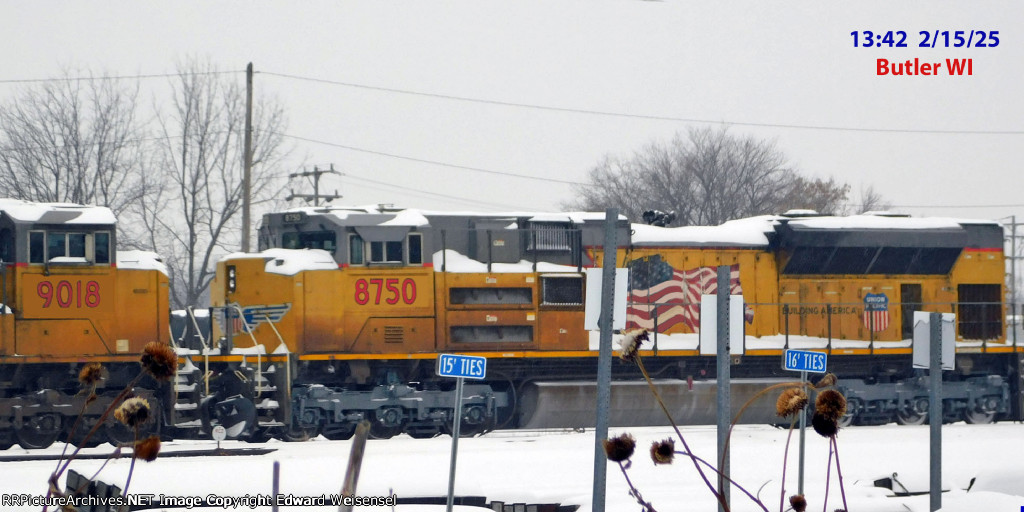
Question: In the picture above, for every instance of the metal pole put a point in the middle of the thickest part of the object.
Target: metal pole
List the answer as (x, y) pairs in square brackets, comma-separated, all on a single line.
[(604, 359), (935, 409), (355, 463), (723, 358), (276, 486), (785, 314), (1013, 274), (457, 421), (803, 431), (247, 161)]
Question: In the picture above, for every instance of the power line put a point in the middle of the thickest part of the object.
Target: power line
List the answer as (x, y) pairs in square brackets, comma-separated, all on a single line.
[(434, 162), (534, 106), (954, 205), (385, 186), (638, 116), (115, 77)]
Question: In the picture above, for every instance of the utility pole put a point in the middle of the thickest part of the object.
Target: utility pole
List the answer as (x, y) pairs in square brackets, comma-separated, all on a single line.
[(247, 164), (1015, 319), (315, 196)]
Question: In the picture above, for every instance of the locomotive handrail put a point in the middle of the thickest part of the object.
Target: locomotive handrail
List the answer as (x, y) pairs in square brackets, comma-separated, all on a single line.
[(247, 329), (195, 325), (276, 332), (206, 350)]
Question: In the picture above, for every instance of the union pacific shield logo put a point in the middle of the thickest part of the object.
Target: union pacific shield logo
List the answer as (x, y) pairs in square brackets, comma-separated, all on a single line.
[(251, 317), (876, 311)]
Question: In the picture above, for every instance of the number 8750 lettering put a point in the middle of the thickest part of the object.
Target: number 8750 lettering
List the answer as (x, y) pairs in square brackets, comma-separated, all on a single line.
[(394, 294)]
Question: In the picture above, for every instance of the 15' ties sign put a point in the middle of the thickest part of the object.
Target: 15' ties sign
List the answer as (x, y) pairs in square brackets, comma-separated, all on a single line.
[(467, 367)]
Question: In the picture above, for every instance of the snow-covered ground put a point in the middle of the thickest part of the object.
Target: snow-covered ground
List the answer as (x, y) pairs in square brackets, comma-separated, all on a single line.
[(557, 467)]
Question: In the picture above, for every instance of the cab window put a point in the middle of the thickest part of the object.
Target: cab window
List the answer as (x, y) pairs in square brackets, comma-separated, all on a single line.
[(386, 252), (415, 249), (101, 250), (36, 247), (355, 250)]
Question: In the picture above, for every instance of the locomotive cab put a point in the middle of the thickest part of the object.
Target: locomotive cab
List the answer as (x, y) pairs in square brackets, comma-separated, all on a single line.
[(68, 298)]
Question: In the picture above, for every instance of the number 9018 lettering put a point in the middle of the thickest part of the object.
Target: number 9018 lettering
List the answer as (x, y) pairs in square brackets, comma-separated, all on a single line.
[(68, 294)]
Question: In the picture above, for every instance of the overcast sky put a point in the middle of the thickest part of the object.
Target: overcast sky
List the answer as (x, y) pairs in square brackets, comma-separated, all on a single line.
[(783, 71)]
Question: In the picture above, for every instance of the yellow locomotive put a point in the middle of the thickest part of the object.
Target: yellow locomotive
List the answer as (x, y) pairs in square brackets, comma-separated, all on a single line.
[(70, 297), (356, 303), (341, 315)]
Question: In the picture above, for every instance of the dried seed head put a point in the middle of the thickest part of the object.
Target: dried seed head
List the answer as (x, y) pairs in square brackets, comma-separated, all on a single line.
[(791, 402), (619, 448), (147, 449), (91, 374), (662, 452), (133, 411), (828, 380), (825, 426), (831, 404), (798, 503), (159, 360), (630, 344)]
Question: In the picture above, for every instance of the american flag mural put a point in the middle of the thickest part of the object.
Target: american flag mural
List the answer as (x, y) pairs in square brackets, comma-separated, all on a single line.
[(876, 311), (654, 284)]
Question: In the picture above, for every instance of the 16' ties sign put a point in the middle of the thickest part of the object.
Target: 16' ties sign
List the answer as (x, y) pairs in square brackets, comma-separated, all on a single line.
[(804, 361)]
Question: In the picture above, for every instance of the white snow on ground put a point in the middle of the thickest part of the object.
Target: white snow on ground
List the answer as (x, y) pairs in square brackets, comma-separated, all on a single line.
[(557, 467)]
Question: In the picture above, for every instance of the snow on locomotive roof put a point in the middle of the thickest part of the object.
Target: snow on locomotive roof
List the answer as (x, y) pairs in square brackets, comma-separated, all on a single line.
[(750, 232), (288, 262), (754, 231), (56, 213), (140, 260), (876, 221), (416, 217)]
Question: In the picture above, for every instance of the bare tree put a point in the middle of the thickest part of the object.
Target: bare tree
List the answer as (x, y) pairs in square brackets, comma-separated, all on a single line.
[(706, 177), (870, 200), (201, 152), (74, 140)]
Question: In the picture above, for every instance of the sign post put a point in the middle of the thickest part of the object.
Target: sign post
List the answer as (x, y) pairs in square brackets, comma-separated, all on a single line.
[(461, 367), (803, 361)]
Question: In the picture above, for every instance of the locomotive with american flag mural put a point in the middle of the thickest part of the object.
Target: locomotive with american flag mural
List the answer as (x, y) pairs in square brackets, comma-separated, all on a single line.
[(341, 316), (364, 298)]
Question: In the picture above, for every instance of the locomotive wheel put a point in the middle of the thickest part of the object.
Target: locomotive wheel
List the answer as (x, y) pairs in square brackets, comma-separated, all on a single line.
[(336, 432), (378, 431), (387, 423), (422, 435), (976, 417), (6, 439), (97, 438), (910, 417), (299, 434), (121, 435), (39, 431), (259, 435), (473, 423)]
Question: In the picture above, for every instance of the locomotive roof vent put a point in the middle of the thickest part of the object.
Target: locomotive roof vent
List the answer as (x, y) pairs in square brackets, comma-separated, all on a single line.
[(802, 213), (885, 213)]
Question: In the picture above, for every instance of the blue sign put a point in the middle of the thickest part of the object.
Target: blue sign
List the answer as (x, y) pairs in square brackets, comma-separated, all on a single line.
[(804, 361), (455, 365)]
